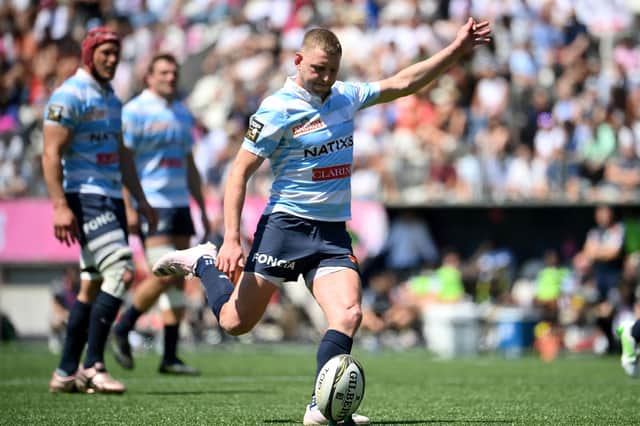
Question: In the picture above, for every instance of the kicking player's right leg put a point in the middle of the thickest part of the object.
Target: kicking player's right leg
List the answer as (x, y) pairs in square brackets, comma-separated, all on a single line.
[(278, 255), (237, 308)]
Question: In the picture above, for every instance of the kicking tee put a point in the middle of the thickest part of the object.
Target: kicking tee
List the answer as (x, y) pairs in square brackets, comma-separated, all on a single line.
[(91, 164), (159, 133), (310, 145)]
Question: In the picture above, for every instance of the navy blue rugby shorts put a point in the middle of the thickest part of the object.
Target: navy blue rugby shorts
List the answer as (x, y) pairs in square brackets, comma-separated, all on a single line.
[(97, 215), (286, 246), (103, 230), (171, 221)]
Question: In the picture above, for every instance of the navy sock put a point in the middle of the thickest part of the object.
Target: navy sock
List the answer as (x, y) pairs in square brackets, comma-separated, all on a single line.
[(635, 331), (170, 344), (77, 329), (128, 321), (216, 284), (333, 343), (103, 314)]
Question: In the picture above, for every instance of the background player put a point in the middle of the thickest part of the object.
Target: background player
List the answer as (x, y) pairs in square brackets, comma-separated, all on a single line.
[(157, 129), (85, 164)]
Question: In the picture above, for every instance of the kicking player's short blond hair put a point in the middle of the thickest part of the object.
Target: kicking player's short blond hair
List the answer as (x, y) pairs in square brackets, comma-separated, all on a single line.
[(323, 39)]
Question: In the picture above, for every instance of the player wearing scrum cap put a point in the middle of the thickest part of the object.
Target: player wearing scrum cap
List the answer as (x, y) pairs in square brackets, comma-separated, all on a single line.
[(85, 165)]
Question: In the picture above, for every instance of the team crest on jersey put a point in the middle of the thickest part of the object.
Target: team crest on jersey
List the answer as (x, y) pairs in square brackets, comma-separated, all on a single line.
[(255, 127), (305, 128), (54, 112)]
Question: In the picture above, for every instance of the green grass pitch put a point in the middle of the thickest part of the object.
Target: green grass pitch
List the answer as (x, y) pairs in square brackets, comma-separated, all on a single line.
[(262, 385)]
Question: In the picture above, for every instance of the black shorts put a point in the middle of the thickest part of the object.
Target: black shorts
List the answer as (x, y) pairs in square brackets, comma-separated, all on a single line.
[(286, 246), (171, 221)]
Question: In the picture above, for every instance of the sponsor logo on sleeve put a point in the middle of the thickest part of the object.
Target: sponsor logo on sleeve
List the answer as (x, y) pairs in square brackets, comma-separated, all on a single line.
[(255, 127), (54, 112)]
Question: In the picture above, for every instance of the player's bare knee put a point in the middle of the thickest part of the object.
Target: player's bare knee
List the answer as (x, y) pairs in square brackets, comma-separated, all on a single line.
[(351, 318), (236, 326)]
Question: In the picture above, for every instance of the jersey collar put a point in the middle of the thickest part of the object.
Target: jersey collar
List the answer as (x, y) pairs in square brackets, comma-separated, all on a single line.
[(149, 94), (85, 76), (301, 92)]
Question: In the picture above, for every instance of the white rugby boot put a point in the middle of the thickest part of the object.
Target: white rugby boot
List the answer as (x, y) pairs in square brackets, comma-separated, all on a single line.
[(183, 262), (313, 416)]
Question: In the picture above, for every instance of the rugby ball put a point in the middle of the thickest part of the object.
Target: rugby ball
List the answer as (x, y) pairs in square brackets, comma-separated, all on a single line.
[(340, 387)]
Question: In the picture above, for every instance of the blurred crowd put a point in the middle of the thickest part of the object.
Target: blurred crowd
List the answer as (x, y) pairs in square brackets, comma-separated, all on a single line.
[(550, 111)]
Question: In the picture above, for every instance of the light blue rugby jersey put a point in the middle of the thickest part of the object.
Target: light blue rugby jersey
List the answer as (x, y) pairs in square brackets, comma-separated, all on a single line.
[(159, 133), (310, 145), (91, 164)]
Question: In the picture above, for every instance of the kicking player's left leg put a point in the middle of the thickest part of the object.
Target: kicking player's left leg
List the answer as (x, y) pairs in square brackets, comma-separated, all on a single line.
[(338, 292)]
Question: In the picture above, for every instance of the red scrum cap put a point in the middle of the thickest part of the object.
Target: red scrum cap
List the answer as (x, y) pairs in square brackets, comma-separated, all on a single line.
[(93, 39)]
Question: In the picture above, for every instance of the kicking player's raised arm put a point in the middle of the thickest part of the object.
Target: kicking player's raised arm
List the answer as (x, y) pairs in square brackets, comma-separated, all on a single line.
[(411, 79), (230, 255)]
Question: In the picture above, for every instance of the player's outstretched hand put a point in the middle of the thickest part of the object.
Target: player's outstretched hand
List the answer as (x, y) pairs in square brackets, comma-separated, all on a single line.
[(230, 258), (473, 34)]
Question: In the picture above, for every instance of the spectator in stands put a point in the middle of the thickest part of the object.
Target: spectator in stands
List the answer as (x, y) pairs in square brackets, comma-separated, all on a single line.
[(597, 151), (622, 171), (409, 245), (603, 248)]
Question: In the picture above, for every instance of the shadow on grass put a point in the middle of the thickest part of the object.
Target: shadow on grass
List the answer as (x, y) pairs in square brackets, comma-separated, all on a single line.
[(405, 422), (203, 392)]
